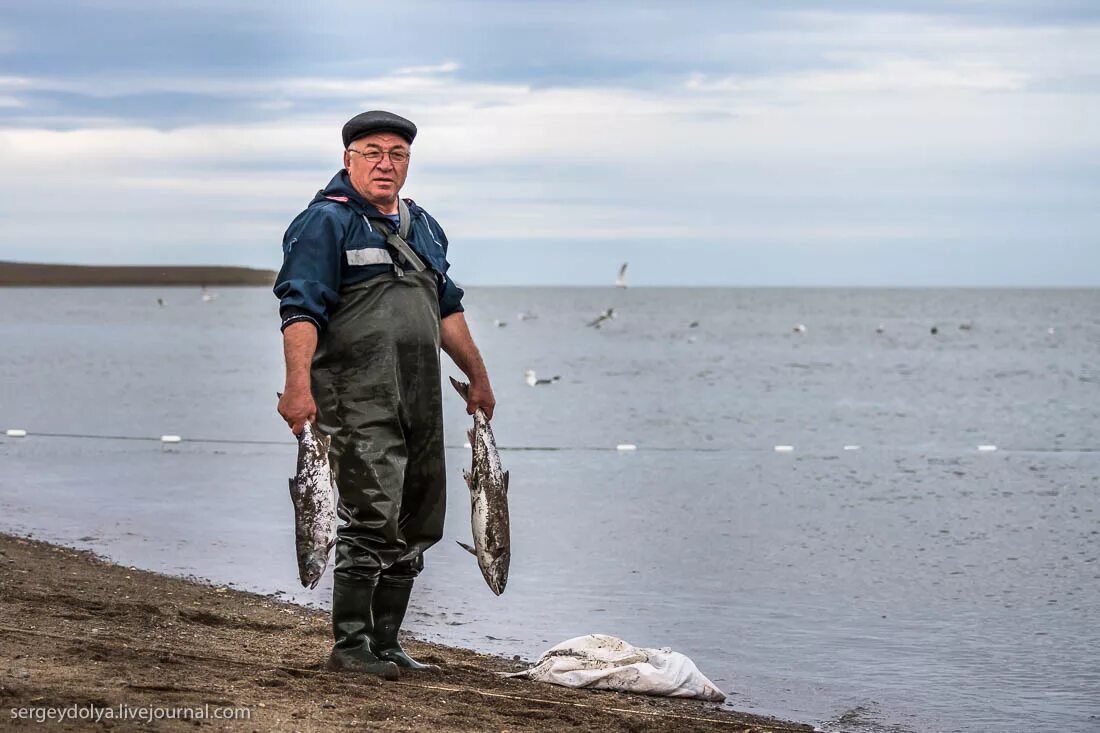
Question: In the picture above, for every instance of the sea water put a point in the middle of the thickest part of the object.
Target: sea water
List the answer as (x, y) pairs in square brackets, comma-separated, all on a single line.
[(923, 557)]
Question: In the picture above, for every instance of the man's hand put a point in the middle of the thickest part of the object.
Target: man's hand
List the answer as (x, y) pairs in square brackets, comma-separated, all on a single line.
[(297, 408), (481, 395)]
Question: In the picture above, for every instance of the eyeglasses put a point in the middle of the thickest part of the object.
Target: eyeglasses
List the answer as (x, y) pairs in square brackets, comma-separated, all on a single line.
[(397, 155)]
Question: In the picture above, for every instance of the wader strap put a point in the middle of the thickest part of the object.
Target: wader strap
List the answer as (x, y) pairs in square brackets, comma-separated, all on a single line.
[(406, 251), (397, 239), (405, 221)]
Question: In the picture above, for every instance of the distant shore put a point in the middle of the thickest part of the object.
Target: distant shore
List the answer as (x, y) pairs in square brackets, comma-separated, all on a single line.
[(81, 633), (29, 274)]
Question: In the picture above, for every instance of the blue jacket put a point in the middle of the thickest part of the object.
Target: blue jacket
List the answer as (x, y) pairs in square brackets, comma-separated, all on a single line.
[(330, 245)]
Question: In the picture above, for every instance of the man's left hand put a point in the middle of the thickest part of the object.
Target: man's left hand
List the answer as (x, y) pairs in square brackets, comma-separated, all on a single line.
[(481, 395)]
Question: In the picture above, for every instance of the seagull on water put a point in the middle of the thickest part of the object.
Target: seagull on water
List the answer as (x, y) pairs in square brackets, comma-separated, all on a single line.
[(532, 380)]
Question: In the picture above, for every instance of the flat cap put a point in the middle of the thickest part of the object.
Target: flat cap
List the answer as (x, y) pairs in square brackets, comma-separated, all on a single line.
[(377, 121)]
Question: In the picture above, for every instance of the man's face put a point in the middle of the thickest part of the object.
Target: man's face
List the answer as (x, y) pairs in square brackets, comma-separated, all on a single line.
[(377, 181)]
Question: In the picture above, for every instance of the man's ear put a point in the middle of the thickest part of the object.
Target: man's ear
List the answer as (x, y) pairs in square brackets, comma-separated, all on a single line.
[(347, 159)]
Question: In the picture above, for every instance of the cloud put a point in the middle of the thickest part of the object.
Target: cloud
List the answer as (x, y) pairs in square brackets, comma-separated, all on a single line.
[(893, 76), (444, 68), (782, 129), (14, 82)]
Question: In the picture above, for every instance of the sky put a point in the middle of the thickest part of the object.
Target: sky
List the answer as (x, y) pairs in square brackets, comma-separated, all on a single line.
[(849, 143)]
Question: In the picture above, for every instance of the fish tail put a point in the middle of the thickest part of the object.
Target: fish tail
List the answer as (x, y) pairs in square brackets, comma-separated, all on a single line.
[(462, 387)]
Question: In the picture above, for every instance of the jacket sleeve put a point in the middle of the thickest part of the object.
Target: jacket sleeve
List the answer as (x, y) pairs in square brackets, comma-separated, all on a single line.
[(450, 295), (308, 285)]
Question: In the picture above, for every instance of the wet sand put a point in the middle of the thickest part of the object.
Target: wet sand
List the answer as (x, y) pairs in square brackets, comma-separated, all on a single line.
[(77, 630)]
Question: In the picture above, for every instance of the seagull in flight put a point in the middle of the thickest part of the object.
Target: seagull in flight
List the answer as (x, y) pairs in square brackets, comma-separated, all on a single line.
[(607, 315), (620, 281)]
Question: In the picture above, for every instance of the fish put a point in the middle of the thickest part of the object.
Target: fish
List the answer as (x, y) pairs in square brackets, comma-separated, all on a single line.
[(313, 492), (488, 483)]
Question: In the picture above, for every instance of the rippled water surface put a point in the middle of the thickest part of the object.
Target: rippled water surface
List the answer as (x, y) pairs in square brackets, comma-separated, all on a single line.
[(915, 584)]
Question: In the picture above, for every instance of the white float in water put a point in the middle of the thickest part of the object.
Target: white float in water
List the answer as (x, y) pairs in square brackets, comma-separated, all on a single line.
[(851, 447), (987, 448), (626, 446), (784, 448), (170, 439), (16, 433)]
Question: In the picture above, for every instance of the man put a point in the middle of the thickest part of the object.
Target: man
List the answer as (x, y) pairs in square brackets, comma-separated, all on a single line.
[(366, 303)]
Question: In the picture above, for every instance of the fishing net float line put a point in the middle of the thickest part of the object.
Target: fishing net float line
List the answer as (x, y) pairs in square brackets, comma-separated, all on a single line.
[(619, 448)]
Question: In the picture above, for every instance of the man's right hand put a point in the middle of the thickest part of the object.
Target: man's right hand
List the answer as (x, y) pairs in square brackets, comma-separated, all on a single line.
[(297, 408)]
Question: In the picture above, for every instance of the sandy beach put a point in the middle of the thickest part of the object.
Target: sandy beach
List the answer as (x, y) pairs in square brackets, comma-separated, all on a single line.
[(79, 633)]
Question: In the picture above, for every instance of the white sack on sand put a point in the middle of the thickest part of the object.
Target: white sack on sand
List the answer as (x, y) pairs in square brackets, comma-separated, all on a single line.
[(607, 663)]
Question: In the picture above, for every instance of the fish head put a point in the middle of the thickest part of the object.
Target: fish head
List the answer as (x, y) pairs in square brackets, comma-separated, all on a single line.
[(311, 566), (496, 573)]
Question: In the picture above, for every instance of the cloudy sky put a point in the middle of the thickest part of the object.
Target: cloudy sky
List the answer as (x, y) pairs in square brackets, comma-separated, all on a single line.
[(710, 143)]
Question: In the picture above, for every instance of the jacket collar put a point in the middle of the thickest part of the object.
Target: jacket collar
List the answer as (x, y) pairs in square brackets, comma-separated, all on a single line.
[(340, 190)]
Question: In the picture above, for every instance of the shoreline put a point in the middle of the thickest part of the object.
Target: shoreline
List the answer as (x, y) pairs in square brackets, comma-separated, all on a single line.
[(33, 274), (79, 630)]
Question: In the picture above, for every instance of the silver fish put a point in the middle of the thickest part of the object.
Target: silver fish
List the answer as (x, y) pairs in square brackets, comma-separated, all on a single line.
[(488, 484), (313, 492)]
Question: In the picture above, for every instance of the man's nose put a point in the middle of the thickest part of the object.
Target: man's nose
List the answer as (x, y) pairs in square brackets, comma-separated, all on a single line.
[(385, 164)]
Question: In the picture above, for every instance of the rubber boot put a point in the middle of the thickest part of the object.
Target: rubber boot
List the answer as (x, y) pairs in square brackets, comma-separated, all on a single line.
[(390, 602), (351, 625)]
